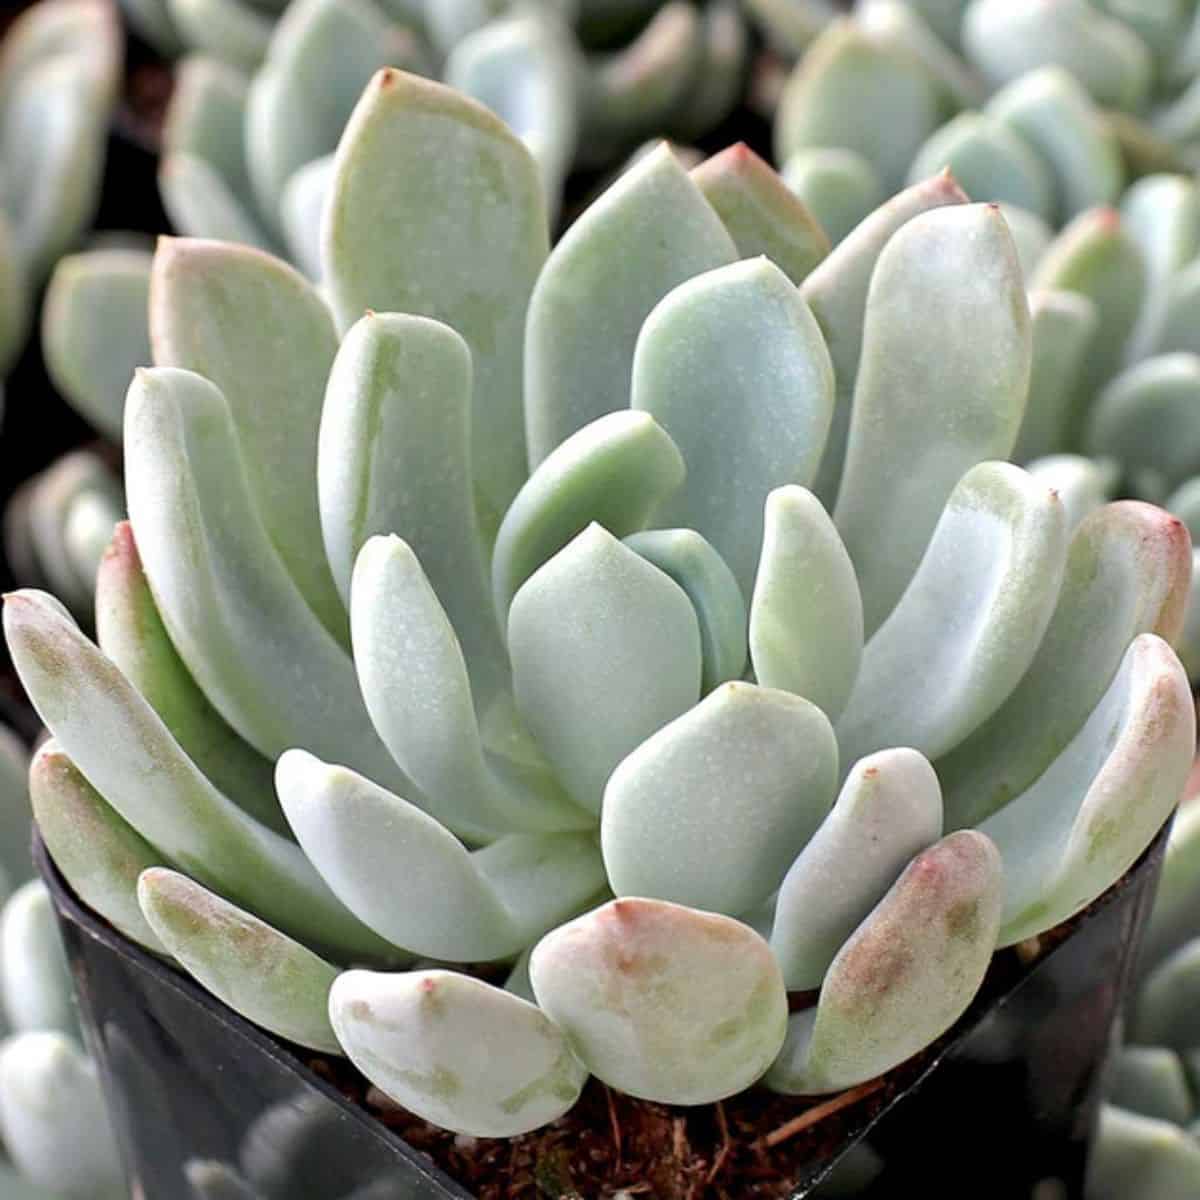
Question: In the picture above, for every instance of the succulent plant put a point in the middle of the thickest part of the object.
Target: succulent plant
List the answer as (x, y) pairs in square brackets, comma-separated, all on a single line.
[(60, 63), (557, 663)]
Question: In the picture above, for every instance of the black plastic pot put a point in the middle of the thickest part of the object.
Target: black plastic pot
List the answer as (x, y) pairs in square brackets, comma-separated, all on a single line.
[(1012, 1090)]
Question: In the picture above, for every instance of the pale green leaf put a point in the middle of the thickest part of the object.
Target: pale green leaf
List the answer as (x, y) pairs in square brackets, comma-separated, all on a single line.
[(664, 1002)]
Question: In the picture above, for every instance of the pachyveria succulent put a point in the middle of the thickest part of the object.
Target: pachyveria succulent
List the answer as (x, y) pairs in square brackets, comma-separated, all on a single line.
[(60, 64), (565, 659)]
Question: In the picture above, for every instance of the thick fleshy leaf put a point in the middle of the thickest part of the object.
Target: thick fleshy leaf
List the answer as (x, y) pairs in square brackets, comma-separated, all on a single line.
[(34, 975), (416, 688), (395, 457), (713, 590), (91, 518), (663, 1002), (392, 865), (1141, 1156), (990, 161), (1064, 326), (52, 141), (733, 365), (790, 25), (436, 210), (235, 31), (1166, 1013), (95, 330), (925, 408), (122, 748), (206, 119), (862, 94), (970, 622), (1184, 502), (712, 810), (837, 294), (201, 204), (1031, 236), (464, 1055), (1162, 214), (761, 212), (259, 972), (302, 212), (260, 655), (1181, 322), (131, 633), (414, 881), (99, 854), (321, 56), (77, 474), (806, 622), (258, 330), (16, 863), (1083, 484), (906, 974), (525, 68), (1128, 572), (720, 79), (1052, 112), (605, 651), (55, 1120), (1092, 812), (1005, 39), (1150, 1080), (838, 187), (1095, 257), (898, 23), (1146, 419), (888, 812), (1173, 919), (615, 471), (649, 232), (631, 93)]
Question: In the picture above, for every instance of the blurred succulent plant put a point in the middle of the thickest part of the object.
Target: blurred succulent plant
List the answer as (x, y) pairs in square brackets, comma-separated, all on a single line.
[(53, 1120), (60, 64), (557, 619), (58, 525), (1048, 107), (1147, 1143)]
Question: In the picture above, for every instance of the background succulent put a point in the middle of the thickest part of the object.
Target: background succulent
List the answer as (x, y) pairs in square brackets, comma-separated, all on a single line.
[(60, 64), (537, 695), (1147, 1138), (54, 1126)]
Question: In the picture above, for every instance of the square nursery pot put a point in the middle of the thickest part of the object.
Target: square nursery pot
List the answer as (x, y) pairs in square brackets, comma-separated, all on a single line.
[(1013, 1089)]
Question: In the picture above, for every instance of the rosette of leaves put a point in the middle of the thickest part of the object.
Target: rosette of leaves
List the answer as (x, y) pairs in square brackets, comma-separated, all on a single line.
[(60, 64), (563, 660)]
